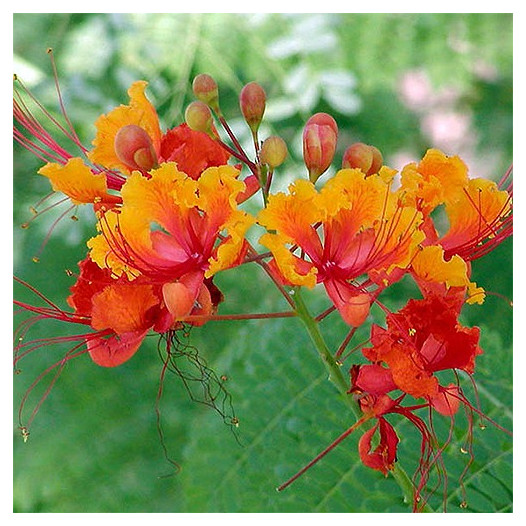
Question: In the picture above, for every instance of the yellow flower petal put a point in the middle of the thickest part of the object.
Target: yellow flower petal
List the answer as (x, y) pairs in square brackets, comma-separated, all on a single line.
[(295, 270), (430, 265), (435, 180), (78, 182), (475, 294), (103, 247), (231, 248)]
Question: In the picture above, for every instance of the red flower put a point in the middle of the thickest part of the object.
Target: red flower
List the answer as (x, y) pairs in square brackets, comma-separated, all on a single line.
[(422, 338)]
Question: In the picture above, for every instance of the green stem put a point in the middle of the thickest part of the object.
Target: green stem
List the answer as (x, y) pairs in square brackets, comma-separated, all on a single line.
[(334, 370), (337, 378)]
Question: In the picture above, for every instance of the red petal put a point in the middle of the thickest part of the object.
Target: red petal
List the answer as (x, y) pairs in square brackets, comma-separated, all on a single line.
[(115, 350)]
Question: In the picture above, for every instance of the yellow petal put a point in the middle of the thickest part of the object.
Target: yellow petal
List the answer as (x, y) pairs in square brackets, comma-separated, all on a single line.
[(103, 247), (435, 180), (231, 248), (430, 265), (78, 182), (295, 270)]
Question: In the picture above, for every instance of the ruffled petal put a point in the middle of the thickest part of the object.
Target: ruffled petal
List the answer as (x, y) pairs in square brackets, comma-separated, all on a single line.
[(78, 182), (123, 308), (192, 151), (429, 265), (293, 214), (435, 180), (293, 270)]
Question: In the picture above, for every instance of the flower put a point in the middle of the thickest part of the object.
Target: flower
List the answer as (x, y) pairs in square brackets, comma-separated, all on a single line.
[(354, 226), (170, 226), (164, 233), (422, 338), (479, 216)]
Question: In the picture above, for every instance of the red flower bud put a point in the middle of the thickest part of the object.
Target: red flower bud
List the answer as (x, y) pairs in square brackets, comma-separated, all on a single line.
[(364, 157), (134, 148), (199, 117), (252, 101), (273, 151), (206, 90), (319, 144)]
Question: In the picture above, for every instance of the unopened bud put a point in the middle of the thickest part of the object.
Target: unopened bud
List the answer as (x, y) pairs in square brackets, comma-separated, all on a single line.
[(252, 101), (319, 144), (199, 117), (206, 90), (364, 157), (134, 148), (273, 151)]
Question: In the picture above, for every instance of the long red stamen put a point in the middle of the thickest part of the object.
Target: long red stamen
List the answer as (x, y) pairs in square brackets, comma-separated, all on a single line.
[(329, 448)]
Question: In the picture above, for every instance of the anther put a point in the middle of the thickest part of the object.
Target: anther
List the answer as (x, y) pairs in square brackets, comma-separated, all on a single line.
[(35, 259), (24, 225), (33, 210), (69, 272), (463, 451), (25, 433), (235, 421), (463, 504), (412, 331), (74, 218)]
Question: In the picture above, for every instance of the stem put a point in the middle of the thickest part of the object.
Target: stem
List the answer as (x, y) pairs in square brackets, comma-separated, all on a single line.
[(334, 370), (337, 378)]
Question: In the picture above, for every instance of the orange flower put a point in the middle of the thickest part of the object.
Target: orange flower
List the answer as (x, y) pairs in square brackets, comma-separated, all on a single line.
[(354, 226), (479, 216), (174, 231)]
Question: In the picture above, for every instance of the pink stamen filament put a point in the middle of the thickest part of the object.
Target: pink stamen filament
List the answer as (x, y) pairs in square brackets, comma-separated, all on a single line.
[(225, 317)]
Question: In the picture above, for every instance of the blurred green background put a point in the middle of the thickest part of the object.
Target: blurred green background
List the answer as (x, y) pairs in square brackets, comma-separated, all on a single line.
[(403, 82)]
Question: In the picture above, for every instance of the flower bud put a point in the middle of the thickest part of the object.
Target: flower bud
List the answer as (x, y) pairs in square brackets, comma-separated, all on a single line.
[(319, 144), (134, 148), (252, 103), (273, 151), (364, 157), (199, 117), (206, 90)]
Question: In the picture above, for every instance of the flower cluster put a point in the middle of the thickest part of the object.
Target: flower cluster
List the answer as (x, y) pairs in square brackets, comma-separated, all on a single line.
[(169, 215)]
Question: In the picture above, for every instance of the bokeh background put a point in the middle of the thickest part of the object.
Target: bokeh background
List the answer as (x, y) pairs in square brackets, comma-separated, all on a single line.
[(403, 82)]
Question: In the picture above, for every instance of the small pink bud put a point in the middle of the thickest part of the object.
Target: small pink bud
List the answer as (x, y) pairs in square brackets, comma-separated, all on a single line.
[(319, 144), (364, 157), (273, 151), (206, 90), (134, 148), (252, 101), (199, 117)]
